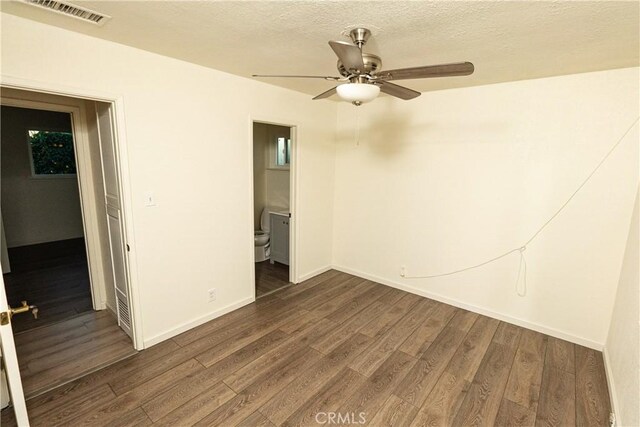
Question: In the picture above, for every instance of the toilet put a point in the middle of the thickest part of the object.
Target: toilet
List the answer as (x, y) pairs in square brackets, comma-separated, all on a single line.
[(261, 238)]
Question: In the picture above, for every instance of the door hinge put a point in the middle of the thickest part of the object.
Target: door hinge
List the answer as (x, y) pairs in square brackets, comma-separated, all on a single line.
[(4, 318)]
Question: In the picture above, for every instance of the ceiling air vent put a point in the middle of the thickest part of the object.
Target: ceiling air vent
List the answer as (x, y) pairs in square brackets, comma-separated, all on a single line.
[(71, 10)]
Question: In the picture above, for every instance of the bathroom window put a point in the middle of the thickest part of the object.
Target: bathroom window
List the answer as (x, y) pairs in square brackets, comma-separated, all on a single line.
[(51, 154), (283, 151)]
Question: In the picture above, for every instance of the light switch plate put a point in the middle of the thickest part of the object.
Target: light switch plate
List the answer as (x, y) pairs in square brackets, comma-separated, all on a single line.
[(149, 199)]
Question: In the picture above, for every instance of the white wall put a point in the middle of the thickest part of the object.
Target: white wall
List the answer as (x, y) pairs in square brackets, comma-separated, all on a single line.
[(259, 172), (187, 134), (459, 176), (35, 210), (278, 195), (622, 352)]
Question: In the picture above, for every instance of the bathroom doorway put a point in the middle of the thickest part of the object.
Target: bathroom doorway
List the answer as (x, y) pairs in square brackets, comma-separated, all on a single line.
[(273, 149)]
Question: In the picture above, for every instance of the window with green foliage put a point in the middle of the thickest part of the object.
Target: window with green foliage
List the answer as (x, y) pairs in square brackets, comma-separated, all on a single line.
[(51, 153)]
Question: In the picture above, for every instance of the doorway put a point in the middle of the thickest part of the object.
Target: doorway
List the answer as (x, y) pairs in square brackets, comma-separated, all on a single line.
[(273, 158), (43, 238), (62, 237)]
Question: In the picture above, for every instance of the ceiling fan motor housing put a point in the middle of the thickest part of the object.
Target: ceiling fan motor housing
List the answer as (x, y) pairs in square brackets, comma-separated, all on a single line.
[(372, 64)]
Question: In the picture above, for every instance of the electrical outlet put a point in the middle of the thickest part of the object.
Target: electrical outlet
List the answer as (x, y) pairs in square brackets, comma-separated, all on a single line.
[(212, 294), (403, 271)]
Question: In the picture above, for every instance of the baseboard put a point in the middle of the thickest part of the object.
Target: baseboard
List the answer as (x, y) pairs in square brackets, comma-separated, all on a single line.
[(610, 383), (314, 273), (197, 322), (480, 310), (111, 309), (192, 324)]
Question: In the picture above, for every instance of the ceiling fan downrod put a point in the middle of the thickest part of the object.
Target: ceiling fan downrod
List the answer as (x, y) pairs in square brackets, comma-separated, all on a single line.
[(359, 36)]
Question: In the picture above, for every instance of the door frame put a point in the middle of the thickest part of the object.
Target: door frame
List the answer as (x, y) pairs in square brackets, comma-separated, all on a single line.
[(293, 196), (84, 180), (87, 195)]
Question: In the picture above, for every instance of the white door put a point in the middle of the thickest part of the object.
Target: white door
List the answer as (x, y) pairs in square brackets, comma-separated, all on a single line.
[(10, 361), (113, 206)]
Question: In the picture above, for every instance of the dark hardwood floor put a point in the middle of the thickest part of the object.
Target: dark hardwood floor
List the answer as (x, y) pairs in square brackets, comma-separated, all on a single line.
[(69, 339), (341, 344), (60, 352), (270, 277), (53, 276)]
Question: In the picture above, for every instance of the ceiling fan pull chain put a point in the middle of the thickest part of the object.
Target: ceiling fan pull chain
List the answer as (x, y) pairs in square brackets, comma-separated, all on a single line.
[(357, 127)]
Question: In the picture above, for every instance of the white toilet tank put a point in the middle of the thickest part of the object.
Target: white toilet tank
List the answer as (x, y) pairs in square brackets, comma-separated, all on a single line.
[(264, 220)]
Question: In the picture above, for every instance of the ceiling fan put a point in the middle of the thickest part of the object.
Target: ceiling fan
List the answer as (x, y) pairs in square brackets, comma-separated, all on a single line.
[(363, 78)]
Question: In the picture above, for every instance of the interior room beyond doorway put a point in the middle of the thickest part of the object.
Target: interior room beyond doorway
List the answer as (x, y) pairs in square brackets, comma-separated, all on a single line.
[(45, 261), (272, 158)]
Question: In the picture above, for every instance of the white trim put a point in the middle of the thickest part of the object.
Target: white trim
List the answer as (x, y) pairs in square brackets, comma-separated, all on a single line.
[(480, 310), (12, 82), (195, 323), (315, 273), (44, 176), (117, 102), (294, 223), (610, 383), (252, 253), (84, 179)]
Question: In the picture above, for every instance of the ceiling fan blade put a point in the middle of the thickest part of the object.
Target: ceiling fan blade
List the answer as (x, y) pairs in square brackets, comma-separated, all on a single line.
[(442, 70), (330, 78), (350, 55), (326, 94), (398, 91)]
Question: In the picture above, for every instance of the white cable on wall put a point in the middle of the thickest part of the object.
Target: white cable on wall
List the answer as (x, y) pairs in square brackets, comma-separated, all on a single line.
[(522, 270)]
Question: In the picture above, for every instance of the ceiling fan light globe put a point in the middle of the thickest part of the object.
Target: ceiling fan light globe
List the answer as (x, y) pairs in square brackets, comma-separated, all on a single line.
[(358, 92)]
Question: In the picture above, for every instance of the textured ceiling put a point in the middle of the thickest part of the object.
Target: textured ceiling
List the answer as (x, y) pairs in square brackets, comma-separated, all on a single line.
[(505, 40)]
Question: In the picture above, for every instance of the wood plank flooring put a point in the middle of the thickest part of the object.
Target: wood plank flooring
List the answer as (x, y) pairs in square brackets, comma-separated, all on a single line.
[(61, 352), (54, 276), (338, 349), (270, 277)]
